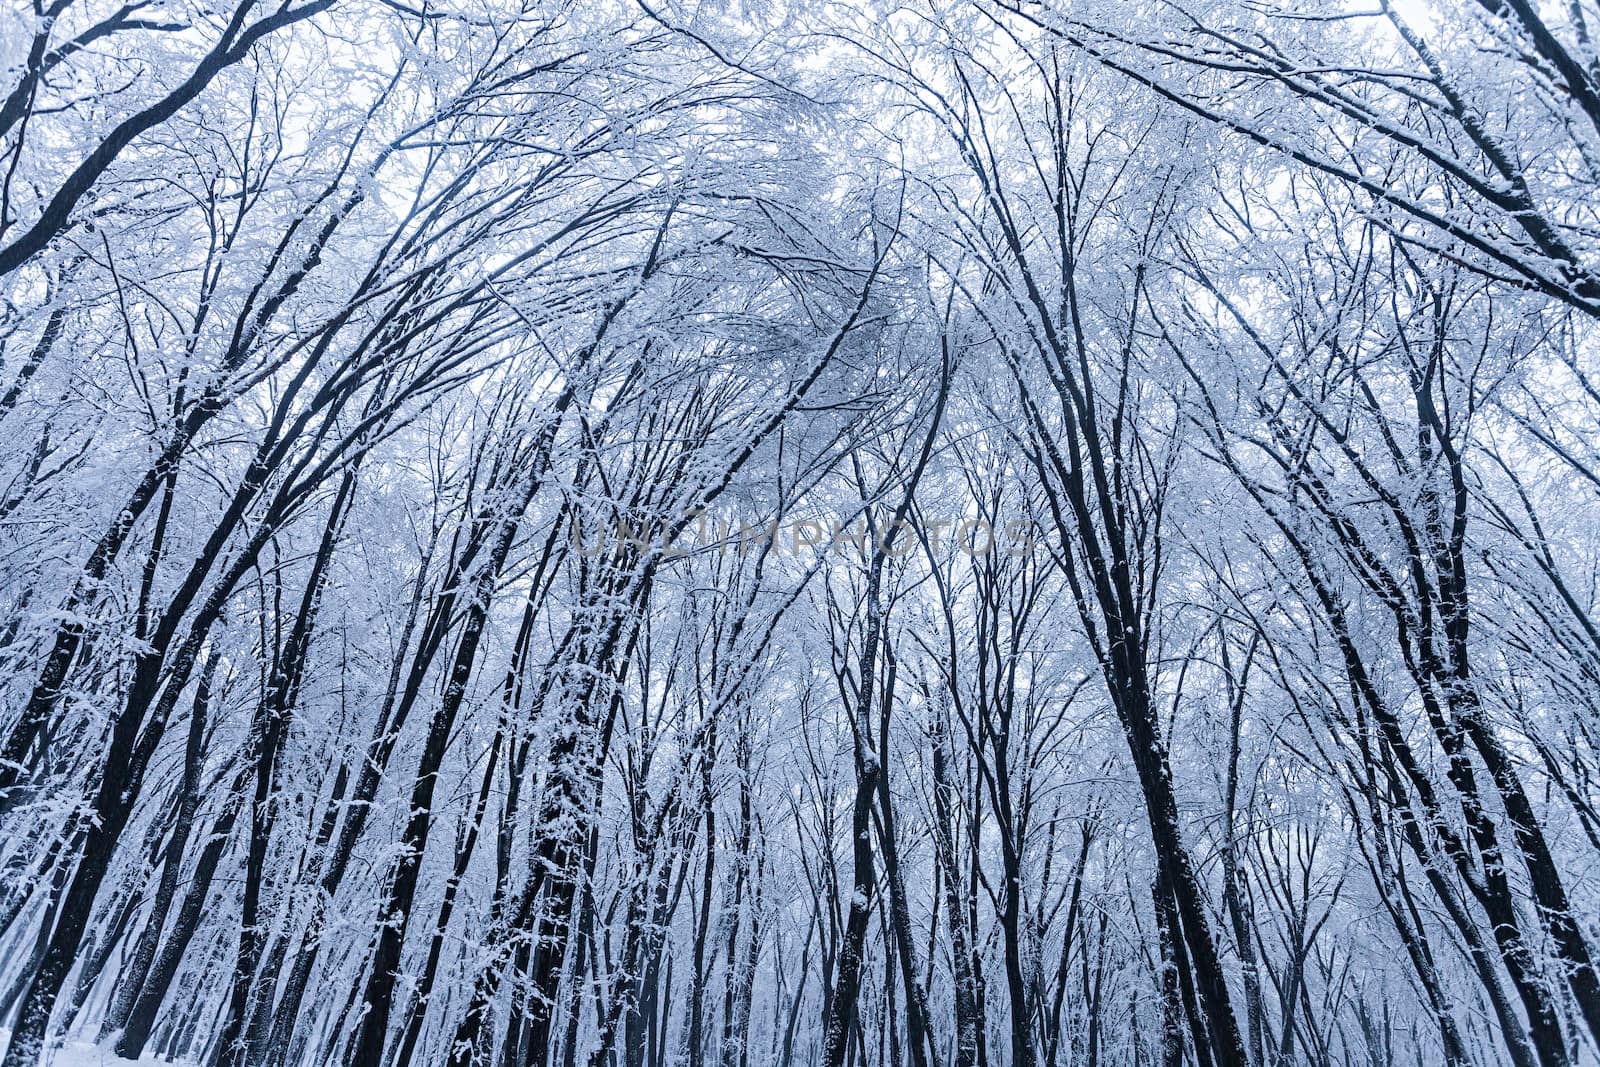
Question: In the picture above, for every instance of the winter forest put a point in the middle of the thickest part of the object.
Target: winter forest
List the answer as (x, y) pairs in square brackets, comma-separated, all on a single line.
[(763, 533)]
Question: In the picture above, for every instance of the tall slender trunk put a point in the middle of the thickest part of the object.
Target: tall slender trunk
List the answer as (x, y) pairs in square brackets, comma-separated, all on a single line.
[(137, 970), (969, 1034), (400, 891), (152, 992)]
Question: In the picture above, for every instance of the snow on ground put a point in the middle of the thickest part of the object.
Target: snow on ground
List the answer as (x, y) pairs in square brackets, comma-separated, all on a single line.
[(84, 1054)]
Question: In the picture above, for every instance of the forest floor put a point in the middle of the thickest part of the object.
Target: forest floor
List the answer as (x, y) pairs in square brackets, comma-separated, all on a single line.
[(84, 1054)]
